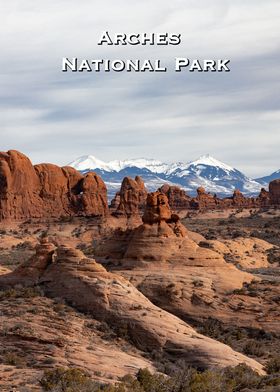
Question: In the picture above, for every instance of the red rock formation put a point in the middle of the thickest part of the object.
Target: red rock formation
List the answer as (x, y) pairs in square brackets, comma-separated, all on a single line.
[(274, 192), (238, 200), (46, 190), (93, 195), (177, 198), (264, 198), (157, 209), (131, 198), (204, 201)]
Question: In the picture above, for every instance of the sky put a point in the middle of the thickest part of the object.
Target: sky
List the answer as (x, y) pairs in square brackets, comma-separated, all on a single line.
[(56, 117)]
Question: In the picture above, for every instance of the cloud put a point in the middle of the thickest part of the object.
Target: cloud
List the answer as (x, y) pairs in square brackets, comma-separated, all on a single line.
[(55, 116)]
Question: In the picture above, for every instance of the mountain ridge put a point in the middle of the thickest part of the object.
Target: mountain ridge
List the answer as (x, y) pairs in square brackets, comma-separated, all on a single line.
[(214, 175)]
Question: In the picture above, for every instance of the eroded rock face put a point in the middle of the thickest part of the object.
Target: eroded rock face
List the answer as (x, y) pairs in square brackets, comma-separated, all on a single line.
[(108, 297), (204, 200), (131, 198), (93, 195), (157, 209), (46, 190), (19, 187), (177, 198), (239, 199), (160, 239), (274, 192), (264, 198)]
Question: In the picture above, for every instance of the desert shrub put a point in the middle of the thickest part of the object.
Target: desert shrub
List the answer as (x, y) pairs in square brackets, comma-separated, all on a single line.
[(254, 348), (198, 283), (66, 219), (205, 244), (26, 292), (13, 359), (68, 380), (152, 382), (212, 328), (24, 245), (209, 381), (241, 377), (273, 365), (183, 379), (273, 255)]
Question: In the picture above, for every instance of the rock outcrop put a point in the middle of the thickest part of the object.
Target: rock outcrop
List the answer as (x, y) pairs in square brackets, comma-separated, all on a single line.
[(161, 239), (204, 201), (131, 198), (264, 198), (177, 197), (112, 299), (274, 192), (46, 190)]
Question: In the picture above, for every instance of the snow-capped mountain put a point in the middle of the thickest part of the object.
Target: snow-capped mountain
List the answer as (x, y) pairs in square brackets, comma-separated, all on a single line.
[(266, 180), (214, 175)]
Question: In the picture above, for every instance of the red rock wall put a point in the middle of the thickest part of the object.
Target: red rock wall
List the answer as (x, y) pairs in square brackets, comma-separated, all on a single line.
[(46, 190)]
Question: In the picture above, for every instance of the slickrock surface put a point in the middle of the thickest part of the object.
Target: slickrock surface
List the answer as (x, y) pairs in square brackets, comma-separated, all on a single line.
[(246, 252), (88, 287), (38, 333), (47, 190)]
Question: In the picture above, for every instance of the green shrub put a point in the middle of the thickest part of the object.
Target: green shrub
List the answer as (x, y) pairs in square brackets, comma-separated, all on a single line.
[(66, 380), (183, 379)]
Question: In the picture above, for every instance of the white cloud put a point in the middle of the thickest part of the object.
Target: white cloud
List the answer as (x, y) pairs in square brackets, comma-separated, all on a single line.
[(55, 116)]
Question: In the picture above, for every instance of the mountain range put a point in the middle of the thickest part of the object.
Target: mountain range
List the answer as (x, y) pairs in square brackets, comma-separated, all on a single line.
[(214, 175)]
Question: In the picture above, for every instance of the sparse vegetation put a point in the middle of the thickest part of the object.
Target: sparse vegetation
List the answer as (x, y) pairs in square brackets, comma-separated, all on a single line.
[(261, 345), (25, 292), (273, 365), (185, 379), (13, 359)]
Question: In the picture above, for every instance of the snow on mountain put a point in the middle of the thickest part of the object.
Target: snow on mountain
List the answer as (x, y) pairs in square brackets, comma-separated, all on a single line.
[(89, 162), (214, 175), (266, 180)]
